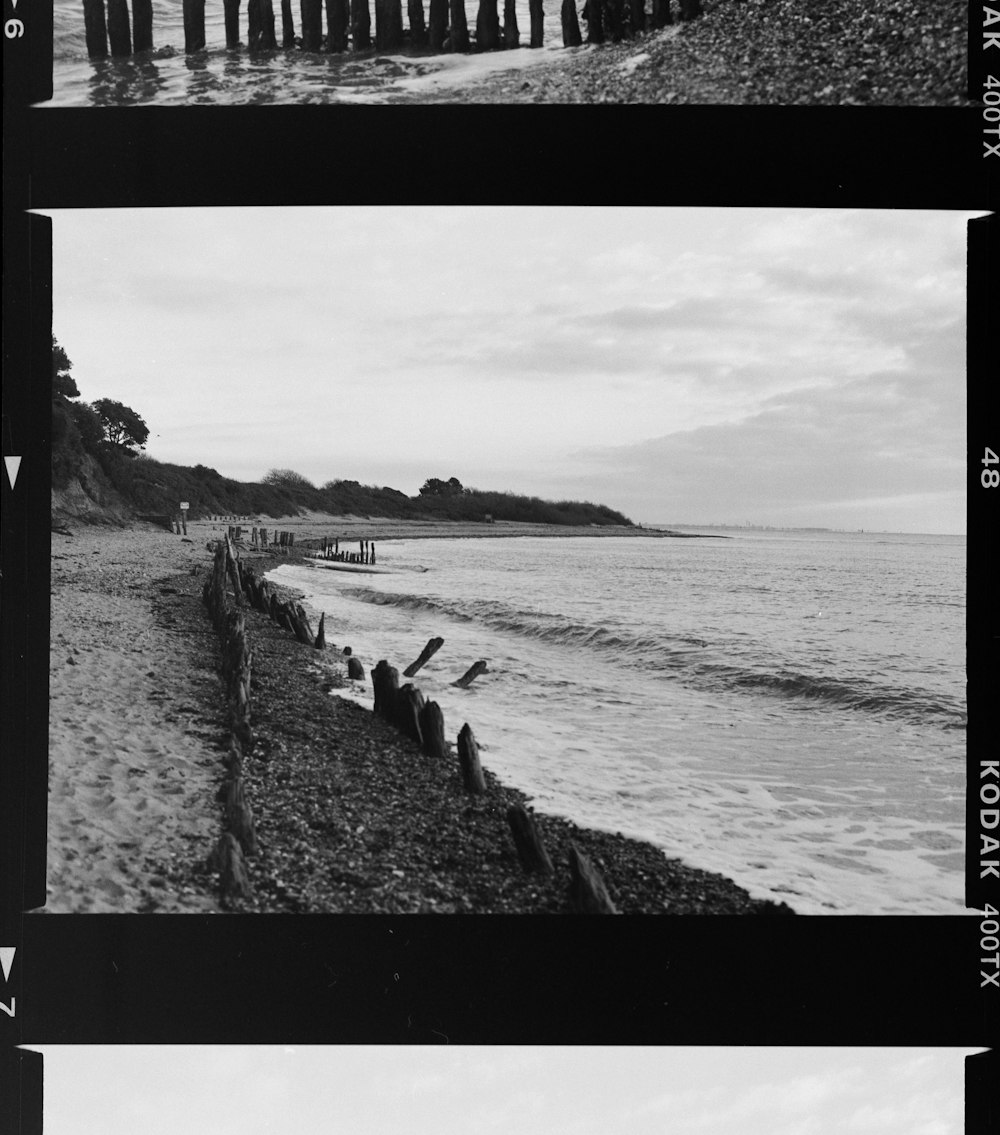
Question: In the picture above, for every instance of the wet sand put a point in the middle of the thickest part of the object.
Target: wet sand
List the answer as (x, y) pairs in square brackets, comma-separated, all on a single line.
[(350, 815)]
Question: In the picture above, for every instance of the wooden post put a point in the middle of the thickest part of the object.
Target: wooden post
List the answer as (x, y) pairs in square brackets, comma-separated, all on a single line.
[(432, 647), (511, 35), (312, 31), (232, 18), (96, 26), (287, 24), (409, 703), (227, 859), (614, 14), (594, 15), (142, 25), (337, 19), (459, 26), (528, 841), (637, 11), (537, 22), (320, 642), (432, 730), (438, 21), (239, 817), (361, 25), (194, 25), (418, 38), (355, 671), (587, 892), (263, 26), (487, 26), (471, 674), (118, 28), (468, 759), (388, 37), (385, 683), (570, 24)]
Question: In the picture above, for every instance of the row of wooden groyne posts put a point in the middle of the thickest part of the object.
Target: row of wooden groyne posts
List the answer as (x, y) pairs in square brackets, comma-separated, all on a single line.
[(230, 590), (348, 22)]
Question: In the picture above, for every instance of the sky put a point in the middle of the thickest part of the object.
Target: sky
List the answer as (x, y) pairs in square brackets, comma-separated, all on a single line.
[(770, 366), (254, 1090)]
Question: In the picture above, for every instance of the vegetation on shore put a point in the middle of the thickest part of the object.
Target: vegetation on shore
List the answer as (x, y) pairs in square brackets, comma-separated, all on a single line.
[(99, 472)]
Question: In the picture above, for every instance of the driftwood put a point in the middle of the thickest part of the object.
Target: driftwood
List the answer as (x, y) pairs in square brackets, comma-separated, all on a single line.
[(528, 841), (432, 729), (471, 674), (432, 647), (227, 860), (409, 703), (355, 670), (468, 759), (587, 892)]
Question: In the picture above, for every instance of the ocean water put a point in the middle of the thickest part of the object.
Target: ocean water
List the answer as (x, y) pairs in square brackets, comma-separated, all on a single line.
[(787, 708), (167, 77)]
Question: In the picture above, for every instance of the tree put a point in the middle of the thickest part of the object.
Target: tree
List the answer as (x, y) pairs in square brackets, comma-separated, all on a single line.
[(286, 479), (435, 487), (122, 425), (62, 380)]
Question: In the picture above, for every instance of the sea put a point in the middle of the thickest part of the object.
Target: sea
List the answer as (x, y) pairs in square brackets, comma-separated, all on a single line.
[(216, 76), (786, 708)]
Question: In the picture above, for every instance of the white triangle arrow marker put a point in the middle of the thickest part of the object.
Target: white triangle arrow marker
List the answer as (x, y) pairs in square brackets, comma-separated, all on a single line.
[(13, 464), (7, 959)]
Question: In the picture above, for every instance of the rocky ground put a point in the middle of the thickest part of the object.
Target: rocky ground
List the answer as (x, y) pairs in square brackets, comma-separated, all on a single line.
[(773, 52)]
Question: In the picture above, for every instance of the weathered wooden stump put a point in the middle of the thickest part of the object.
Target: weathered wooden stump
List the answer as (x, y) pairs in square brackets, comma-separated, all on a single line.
[(118, 29), (487, 26), (385, 683), (468, 759), (409, 703), (587, 892), (459, 27), (432, 730), (471, 674), (511, 35), (355, 670), (287, 40), (432, 647), (96, 28), (570, 24), (320, 642), (194, 25), (227, 860), (142, 36), (637, 15), (537, 22), (337, 19), (528, 841), (239, 817)]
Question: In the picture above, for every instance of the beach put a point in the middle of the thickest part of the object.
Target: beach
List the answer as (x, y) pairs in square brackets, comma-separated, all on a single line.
[(350, 815)]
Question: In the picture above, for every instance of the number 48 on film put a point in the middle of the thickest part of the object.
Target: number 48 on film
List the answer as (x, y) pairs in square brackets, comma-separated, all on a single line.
[(990, 478)]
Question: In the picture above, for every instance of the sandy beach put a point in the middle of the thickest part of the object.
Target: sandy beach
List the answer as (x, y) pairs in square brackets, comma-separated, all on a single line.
[(350, 815)]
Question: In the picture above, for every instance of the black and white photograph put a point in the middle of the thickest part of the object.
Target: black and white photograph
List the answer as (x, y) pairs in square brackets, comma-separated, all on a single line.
[(349, 52), (671, 522), (260, 1090)]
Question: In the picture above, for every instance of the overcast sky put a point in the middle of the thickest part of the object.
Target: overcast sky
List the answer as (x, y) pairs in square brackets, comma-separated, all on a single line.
[(251, 1090), (682, 365)]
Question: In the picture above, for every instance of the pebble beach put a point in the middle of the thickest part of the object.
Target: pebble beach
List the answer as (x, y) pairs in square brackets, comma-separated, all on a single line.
[(351, 816)]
